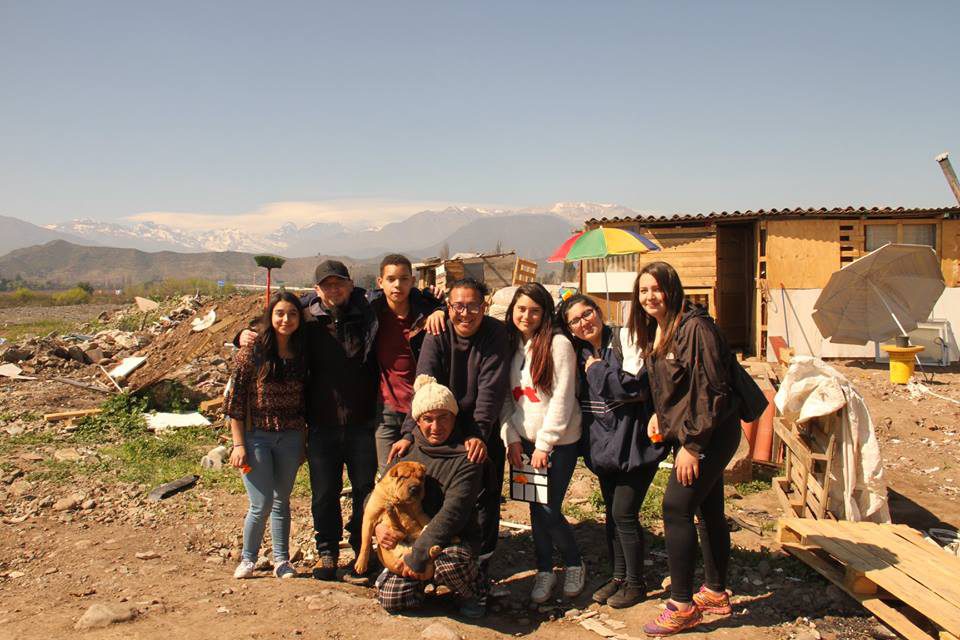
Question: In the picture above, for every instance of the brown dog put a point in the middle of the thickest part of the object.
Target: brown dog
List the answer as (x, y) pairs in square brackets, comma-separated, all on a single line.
[(395, 501)]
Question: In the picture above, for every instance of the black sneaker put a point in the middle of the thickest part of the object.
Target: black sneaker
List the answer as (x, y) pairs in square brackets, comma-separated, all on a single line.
[(326, 567), (627, 596), (473, 608), (603, 594)]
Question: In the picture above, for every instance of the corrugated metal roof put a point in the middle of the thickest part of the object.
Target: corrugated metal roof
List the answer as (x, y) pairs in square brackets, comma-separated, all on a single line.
[(840, 212)]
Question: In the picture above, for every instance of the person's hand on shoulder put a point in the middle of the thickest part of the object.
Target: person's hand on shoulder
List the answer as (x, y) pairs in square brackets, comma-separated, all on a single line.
[(436, 322), (398, 450), (476, 450)]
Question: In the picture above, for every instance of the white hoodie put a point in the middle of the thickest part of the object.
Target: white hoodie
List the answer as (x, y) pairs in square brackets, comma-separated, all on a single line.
[(547, 420)]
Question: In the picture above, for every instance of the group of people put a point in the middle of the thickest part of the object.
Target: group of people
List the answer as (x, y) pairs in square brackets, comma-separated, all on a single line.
[(341, 378)]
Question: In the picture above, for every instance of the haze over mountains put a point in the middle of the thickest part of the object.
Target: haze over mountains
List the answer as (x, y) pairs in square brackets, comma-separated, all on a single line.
[(420, 235), (110, 254)]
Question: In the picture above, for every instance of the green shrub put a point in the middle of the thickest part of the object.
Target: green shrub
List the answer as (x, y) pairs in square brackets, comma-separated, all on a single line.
[(23, 296), (76, 295), (120, 417)]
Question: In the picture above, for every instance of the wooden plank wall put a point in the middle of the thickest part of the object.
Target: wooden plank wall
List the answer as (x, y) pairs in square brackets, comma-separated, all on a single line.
[(691, 250), (950, 252), (801, 254)]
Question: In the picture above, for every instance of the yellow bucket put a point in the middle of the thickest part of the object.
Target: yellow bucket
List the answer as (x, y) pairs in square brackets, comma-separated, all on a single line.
[(902, 362)]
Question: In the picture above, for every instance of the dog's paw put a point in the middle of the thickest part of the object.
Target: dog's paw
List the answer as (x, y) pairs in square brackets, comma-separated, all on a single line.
[(435, 551)]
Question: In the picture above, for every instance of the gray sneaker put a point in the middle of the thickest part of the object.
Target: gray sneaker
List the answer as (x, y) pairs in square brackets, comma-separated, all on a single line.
[(573, 580), (283, 570)]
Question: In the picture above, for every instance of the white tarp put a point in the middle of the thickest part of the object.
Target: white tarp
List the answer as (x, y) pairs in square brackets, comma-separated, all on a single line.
[(813, 389), (161, 421)]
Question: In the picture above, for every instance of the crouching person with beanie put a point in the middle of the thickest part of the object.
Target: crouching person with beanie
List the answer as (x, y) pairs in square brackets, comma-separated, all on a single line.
[(451, 488)]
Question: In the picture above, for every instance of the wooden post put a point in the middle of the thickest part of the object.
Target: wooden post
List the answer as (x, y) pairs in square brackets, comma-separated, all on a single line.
[(944, 160)]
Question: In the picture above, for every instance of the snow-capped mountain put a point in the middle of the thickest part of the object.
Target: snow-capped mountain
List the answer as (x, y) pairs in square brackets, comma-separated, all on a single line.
[(415, 233), (149, 236)]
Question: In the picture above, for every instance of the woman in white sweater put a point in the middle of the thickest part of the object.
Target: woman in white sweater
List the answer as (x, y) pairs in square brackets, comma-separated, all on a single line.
[(541, 420)]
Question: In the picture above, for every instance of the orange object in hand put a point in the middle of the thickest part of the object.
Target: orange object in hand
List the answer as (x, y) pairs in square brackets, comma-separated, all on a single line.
[(656, 438), (245, 469)]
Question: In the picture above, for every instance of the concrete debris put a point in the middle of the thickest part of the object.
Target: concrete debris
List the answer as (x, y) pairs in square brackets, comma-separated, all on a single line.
[(13, 371), (145, 304), (599, 628), (126, 367), (99, 616), (440, 631), (214, 458)]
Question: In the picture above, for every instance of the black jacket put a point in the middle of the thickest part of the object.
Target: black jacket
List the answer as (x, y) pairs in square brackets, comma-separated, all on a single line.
[(342, 386), (616, 408), (691, 385), (450, 496), (475, 369)]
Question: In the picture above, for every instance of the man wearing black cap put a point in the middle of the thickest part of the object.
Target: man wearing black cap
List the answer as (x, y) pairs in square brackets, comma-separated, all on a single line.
[(342, 396), (341, 409)]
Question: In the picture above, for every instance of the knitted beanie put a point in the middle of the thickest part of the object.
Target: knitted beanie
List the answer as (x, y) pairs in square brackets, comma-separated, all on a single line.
[(429, 395)]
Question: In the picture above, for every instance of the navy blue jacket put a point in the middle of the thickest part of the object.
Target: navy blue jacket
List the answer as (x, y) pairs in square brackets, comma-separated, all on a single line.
[(616, 408)]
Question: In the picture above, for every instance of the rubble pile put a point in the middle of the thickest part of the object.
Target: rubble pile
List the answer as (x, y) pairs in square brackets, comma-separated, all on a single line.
[(167, 337)]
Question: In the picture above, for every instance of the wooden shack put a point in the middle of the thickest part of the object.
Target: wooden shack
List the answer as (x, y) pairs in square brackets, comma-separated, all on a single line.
[(760, 272), (497, 270)]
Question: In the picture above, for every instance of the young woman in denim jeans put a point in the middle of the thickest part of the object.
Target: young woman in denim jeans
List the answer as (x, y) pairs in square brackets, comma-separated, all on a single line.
[(265, 405), (541, 418)]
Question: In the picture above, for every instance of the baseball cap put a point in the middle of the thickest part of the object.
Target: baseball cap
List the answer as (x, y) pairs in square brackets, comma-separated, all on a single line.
[(329, 268)]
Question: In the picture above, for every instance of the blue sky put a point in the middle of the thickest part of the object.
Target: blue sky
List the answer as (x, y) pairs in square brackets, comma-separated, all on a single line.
[(207, 111)]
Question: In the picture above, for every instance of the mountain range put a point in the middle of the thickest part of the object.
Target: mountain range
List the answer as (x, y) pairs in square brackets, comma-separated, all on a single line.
[(109, 254), (420, 235)]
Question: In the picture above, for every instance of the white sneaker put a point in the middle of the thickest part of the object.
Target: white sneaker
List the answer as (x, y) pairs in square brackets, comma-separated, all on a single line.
[(573, 580), (543, 585), (284, 570), (244, 570)]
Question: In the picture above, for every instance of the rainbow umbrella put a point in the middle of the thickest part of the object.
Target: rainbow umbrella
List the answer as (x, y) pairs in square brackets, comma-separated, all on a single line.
[(601, 243)]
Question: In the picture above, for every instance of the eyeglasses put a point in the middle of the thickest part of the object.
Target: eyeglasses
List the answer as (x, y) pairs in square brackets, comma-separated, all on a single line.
[(587, 315), (469, 309)]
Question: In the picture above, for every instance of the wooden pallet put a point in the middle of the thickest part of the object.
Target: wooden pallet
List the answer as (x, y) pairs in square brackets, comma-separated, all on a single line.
[(804, 488), (892, 570)]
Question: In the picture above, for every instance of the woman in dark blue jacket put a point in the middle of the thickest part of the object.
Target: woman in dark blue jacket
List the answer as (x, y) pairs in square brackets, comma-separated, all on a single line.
[(615, 444)]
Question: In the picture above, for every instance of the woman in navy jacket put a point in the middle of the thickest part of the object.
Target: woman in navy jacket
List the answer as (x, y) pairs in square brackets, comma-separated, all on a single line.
[(614, 443)]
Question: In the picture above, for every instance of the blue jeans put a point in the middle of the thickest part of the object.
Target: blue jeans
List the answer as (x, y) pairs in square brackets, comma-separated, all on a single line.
[(549, 526), (274, 457)]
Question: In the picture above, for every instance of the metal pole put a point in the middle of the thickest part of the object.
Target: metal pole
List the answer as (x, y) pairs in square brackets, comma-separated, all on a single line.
[(889, 310), (944, 160), (606, 285)]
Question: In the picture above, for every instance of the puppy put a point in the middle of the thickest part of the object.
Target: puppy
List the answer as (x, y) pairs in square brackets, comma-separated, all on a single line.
[(395, 500)]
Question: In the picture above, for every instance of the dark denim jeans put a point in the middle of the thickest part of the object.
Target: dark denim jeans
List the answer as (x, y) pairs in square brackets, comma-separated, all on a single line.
[(329, 449), (388, 432), (550, 528)]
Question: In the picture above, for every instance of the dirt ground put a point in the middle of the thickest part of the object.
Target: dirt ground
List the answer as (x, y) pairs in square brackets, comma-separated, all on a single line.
[(71, 540)]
